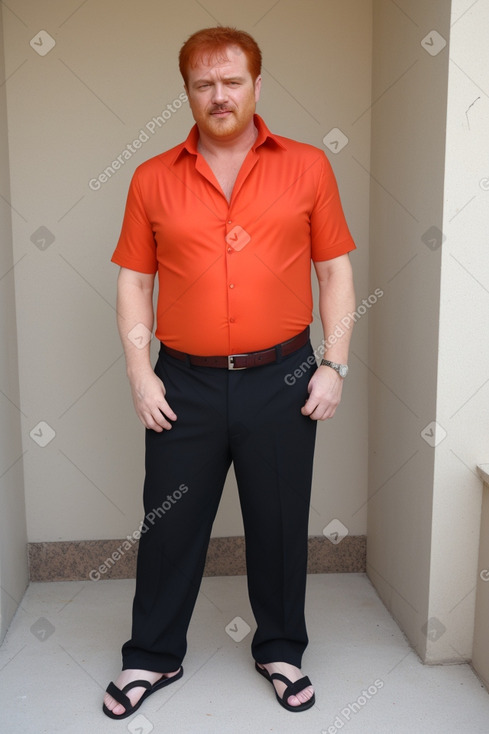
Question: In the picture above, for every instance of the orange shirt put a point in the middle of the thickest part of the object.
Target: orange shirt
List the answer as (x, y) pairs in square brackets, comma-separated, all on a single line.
[(233, 277)]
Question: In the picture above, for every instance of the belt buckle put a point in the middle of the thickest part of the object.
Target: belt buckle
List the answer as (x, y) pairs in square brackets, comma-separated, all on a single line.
[(231, 362)]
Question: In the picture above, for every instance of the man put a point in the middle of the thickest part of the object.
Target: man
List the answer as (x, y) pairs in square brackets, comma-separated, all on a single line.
[(230, 219)]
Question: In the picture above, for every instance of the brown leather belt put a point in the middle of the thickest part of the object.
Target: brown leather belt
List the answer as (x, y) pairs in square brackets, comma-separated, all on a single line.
[(243, 361)]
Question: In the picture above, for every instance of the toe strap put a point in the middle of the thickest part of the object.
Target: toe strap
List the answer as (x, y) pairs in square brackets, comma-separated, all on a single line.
[(118, 695), (292, 688), (137, 684), (297, 687)]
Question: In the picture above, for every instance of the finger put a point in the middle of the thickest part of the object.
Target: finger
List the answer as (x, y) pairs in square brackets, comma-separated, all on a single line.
[(148, 422), (157, 416), (161, 420), (311, 404), (328, 413), (165, 408), (309, 409), (315, 415), (155, 419), (320, 412)]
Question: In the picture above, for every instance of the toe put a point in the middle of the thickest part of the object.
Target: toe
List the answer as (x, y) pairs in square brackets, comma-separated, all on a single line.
[(294, 674), (113, 706), (301, 697)]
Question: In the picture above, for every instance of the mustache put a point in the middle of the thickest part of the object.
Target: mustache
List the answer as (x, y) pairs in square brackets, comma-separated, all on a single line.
[(221, 108)]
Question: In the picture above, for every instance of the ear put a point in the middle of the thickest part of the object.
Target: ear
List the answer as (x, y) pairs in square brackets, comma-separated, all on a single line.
[(257, 88)]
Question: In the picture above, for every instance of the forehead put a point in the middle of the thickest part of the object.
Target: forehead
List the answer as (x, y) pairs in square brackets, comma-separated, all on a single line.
[(229, 60)]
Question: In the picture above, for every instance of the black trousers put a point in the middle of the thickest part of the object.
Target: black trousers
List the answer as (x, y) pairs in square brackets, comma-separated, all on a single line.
[(251, 418)]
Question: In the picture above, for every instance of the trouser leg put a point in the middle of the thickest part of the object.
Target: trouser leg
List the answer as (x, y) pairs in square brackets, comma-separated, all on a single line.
[(272, 446), (185, 472)]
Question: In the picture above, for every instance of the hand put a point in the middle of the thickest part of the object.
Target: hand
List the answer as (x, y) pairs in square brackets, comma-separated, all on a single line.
[(148, 394), (324, 388)]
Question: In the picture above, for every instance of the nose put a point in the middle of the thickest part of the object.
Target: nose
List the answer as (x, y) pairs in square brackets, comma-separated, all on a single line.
[(219, 93)]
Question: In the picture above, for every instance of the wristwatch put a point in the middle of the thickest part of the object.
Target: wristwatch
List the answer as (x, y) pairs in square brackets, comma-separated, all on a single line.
[(341, 369)]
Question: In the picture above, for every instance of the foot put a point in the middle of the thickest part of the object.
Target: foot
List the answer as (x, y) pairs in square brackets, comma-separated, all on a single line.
[(127, 676), (293, 673)]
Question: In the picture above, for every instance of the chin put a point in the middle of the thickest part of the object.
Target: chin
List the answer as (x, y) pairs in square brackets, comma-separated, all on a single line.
[(223, 130)]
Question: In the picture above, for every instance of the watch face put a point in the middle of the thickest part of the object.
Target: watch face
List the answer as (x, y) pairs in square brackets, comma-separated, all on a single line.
[(343, 370)]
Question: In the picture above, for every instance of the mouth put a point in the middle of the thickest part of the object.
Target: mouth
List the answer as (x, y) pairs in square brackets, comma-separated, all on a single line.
[(221, 113)]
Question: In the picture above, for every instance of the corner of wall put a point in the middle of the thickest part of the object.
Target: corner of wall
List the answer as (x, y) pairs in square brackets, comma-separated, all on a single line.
[(13, 534), (410, 78)]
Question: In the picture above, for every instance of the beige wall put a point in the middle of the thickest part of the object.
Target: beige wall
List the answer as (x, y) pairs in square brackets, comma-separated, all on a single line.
[(73, 110), (428, 354), (407, 160), (13, 555), (463, 350), (71, 113)]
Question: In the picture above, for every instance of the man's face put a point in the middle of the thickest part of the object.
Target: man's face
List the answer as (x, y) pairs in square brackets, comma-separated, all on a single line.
[(222, 95)]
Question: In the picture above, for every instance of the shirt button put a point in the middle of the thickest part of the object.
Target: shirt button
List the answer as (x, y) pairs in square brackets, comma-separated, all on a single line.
[(230, 221), (231, 320), (231, 285), (230, 249)]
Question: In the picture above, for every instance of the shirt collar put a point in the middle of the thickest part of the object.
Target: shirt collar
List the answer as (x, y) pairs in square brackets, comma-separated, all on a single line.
[(264, 137)]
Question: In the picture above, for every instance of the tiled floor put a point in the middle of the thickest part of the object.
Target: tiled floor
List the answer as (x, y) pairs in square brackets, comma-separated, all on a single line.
[(63, 648)]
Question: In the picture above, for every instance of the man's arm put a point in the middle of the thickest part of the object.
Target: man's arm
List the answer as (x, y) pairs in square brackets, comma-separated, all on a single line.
[(336, 300), (135, 306)]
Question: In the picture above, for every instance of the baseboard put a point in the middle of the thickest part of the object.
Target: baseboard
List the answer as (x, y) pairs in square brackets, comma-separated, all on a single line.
[(116, 559)]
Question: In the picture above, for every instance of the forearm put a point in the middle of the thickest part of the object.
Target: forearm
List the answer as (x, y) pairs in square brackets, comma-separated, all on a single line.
[(135, 318), (336, 301), (135, 322)]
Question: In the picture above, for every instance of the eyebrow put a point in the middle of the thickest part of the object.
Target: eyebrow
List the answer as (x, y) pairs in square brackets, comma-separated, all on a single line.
[(223, 79)]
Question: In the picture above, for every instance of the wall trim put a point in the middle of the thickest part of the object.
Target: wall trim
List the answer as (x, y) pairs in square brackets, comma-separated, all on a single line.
[(98, 560)]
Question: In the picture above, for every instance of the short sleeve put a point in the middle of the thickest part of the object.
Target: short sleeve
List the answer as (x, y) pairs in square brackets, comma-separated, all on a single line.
[(136, 248), (330, 236)]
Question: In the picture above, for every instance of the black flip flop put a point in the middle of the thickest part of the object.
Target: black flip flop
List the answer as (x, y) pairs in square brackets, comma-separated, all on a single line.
[(292, 689), (120, 695)]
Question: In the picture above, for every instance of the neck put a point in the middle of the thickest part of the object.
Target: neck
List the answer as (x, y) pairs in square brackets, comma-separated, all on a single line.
[(233, 146)]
